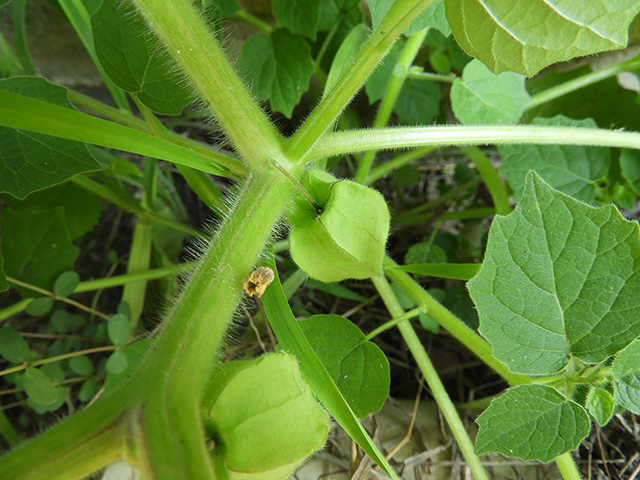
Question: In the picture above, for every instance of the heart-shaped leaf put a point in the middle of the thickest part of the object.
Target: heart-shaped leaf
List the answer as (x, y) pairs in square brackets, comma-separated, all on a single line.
[(358, 367), (560, 279), (532, 422)]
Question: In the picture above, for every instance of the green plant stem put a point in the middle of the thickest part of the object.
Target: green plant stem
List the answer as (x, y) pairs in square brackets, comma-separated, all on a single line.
[(431, 376), (9, 63), (79, 18), (491, 179), (21, 45), (401, 14), (252, 19), (570, 86), (392, 323), (7, 431), (123, 118), (48, 293), (15, 308), (112, 197), (197, 52), (75, 448), (340, 143), (452, 324), (188, 348), (397, 162), (139, 260), (400, 71), (119, 280), (435, 77), (57, 358), (567, 467)]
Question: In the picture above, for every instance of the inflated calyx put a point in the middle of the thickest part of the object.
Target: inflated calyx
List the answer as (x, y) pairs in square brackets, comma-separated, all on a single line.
[(347, 237)]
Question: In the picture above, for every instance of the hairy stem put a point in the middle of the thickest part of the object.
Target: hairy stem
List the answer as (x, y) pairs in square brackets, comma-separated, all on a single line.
[(197, 52)]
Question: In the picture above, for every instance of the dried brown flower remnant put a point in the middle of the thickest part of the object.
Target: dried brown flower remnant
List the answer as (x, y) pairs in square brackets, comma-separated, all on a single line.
[(257, 281)]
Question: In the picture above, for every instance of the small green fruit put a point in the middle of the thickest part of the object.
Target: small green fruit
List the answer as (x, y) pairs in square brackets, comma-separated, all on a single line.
[(347, 239)]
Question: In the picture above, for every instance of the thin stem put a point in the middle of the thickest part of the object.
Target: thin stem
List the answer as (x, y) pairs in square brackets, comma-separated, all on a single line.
[(119, 280), (15, 308), (252, 19), (402, 67), (491, 179), (340, 143), (48, 293), (435, 77), (21, 45), (198, 53), (570, 86), (392, 323), (296, 184), (567, 467), (397, 162), (431, 376), (453, 324), (401, 14), (44, 361)]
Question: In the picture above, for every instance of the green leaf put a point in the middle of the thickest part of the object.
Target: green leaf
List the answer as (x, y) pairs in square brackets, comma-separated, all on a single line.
[(377, 83), (36, 246), (336, 290), (626, 366), (630, 168), (293, 341), (32, 161), (600, 405), (118, 329), (38, 116), (88, 390), (278, 66), (82, 365), (225, 7), (457, 271), (63, 322), (559, 279), (38, 387), (434, 16), (82, 208), (627, 396), (525, 37), (532, 422), (345, 55), (117, 363), (13, 348), (266, 418), (482, 97), (54, 371), (590, 101), (39, 306), (425, 252), (66, 283), (358, 367), (299, 16), (574, 170), (418, 102), (129, 55), (347, 240)]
